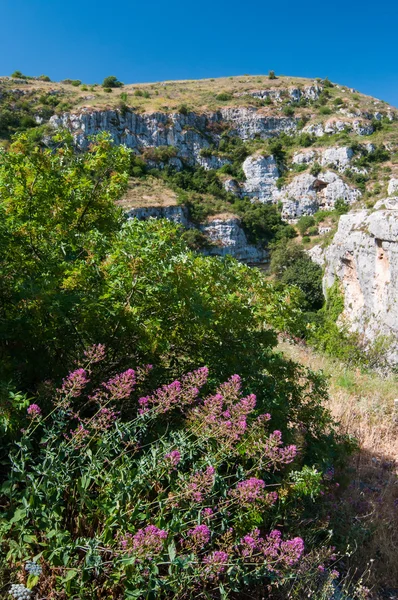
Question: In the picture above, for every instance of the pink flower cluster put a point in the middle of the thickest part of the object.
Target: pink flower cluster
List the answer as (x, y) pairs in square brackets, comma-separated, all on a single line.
[(198, 537), (145, 542), (95, 353), (177, 393), (173, 458), (121, 386), (34, 410), (74, 383), (272, 548), (104, 419), (224, 415), (200, 484), (216, 563), (252, 490), (275, 453)]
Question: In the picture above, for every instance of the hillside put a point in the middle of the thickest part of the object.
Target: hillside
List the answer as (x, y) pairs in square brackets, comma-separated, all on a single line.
[(235, 160), (164, 432)]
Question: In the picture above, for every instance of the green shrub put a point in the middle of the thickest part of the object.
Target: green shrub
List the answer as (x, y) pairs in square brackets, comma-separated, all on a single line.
[(306, 239), (327, 84), (305, 140), (76, 82), (18, 75), (123, 97), (111, 82), (288, 111), (304, 223), (195, 239), (291, 265), (325, 110), (341, 206), (108, 90), (271, 75), (313, 231), (138, 93), (223, 97), (315, 169), (183, 109), (44, 78), (84, 88)]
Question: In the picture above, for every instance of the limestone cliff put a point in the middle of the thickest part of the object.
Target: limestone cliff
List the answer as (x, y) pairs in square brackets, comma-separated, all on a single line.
[(363, 257)]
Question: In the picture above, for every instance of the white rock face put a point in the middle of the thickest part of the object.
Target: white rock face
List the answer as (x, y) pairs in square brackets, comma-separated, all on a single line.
[(317, 255), (232, 186), (393, 187), (339, 158), (306, 194), (309, 92), (189, 134), (226, 234), (177, 214), (229, 238), (248, 123), (364, 258), (261, 175), (304, 158)]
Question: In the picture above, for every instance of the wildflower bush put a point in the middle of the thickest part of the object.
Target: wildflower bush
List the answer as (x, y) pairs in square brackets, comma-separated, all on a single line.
[(196, 494)]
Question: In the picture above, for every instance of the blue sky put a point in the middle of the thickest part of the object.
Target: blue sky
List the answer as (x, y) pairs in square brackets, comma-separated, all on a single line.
[(351, 42)]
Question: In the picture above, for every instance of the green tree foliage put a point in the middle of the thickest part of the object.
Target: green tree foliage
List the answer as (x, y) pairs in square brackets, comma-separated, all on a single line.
[(292, 266), (53, 204), (341, 206), (111, 82), (304, 223)]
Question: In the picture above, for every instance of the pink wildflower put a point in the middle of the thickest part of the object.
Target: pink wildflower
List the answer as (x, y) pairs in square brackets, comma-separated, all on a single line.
[(173, 458), (34, 410), (104, 419), (121, 386), (145, 542), (95, 353), (200, 484), (198, 536), (249, 491), (216, 563), (74, 383)]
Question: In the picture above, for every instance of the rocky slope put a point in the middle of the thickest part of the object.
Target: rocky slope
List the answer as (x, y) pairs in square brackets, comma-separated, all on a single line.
[(363, 257), (301, 145)]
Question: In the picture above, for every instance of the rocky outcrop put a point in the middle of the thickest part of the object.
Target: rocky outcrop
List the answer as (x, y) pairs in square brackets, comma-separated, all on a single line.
[(188, 133), (261, 175), (248, 123), (363, 258), (393, 187), (177, 214), (337, 126), (307, 194), (228, 237), (338, 158), (224, 232), (294, 94)]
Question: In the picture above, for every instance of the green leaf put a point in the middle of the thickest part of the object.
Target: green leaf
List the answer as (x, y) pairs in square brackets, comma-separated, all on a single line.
[(19, 514), (71, 574)]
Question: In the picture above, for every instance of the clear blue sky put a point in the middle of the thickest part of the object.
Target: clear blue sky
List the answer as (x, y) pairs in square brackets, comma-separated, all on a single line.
[(350, 41)]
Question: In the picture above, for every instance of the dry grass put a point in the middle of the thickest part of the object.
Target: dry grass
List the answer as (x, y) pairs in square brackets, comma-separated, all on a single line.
[(363, 403), (201, 95), (147, 192)]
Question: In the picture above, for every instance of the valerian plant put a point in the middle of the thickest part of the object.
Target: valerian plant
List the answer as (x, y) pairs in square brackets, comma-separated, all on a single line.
[(190, 497)]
